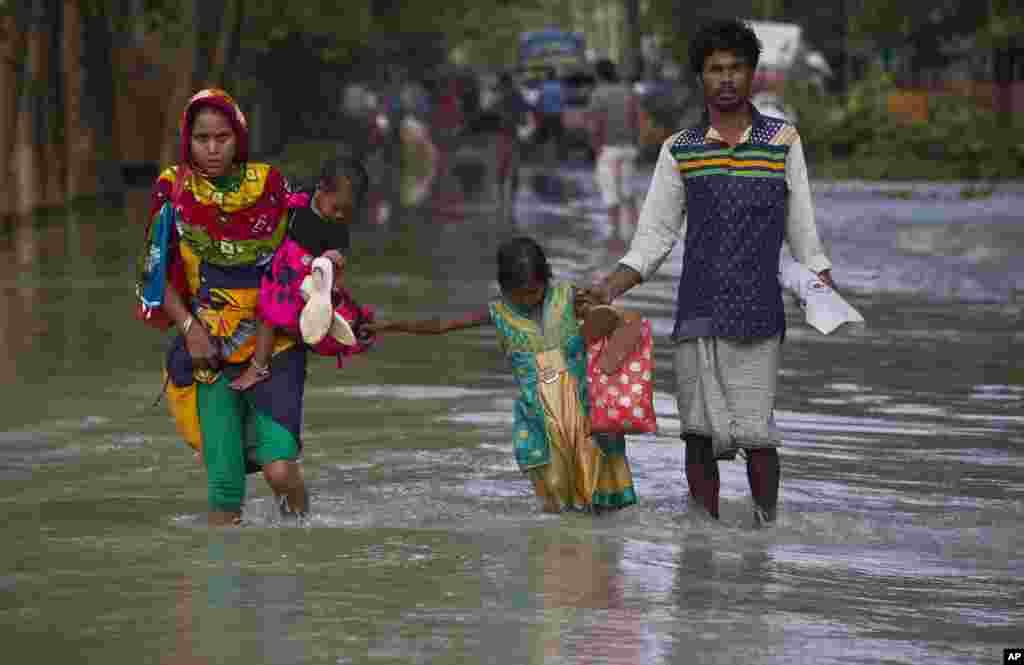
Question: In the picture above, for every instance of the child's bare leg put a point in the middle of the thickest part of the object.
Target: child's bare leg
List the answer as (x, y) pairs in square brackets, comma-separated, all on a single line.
[(259, 367)]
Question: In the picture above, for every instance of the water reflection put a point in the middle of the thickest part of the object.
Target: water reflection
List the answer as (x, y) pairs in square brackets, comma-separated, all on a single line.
[(722, 591), (586, 614), (227, 611), (49, 265), (186, 627), (19, 292)]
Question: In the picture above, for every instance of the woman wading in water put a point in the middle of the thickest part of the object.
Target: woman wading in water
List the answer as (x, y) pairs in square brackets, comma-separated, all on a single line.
[(230, 215)]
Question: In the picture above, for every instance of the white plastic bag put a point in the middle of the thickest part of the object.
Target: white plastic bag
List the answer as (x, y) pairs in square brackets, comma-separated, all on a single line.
[(824, 309)]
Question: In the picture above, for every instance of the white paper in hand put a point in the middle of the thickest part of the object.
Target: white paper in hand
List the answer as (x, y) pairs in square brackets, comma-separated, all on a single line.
[(824, 309)]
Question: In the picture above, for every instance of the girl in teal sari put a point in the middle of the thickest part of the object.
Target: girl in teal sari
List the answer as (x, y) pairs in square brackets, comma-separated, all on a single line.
[(537, 321)]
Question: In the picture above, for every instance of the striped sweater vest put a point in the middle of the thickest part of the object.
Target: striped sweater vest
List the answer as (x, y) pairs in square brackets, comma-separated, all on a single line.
[(736, 205)]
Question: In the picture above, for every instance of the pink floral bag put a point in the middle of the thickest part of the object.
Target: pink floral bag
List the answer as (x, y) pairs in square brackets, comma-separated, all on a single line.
[(620, 371)]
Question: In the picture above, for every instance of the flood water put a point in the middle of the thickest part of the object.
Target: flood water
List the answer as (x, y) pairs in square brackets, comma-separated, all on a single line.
[(899, 538)]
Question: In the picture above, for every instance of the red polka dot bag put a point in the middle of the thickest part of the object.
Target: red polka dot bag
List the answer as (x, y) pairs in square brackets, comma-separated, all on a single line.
[(620, 370)]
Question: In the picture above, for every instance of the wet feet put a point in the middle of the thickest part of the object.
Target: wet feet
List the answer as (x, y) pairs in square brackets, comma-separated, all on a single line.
[(605, 510), (551, 506), (764, 517), (288, 515)]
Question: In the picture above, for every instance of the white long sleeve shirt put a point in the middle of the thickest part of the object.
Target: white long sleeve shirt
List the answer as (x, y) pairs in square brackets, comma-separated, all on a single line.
[(663, 216)]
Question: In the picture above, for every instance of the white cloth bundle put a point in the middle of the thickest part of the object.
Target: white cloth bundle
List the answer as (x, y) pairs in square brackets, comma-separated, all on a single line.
[(823, 307)]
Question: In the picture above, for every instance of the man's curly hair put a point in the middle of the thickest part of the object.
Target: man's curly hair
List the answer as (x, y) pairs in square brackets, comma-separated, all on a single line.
[(730, 35)]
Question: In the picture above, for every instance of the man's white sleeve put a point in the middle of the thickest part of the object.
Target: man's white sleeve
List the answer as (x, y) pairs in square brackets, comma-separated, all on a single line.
[(662, 218), (801, 229)]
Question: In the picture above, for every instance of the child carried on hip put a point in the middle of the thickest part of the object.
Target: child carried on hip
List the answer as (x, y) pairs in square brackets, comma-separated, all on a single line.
[(303, 291)]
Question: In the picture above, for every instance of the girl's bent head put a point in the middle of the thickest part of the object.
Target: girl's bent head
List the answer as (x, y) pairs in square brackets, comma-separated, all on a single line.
[(523, 271)]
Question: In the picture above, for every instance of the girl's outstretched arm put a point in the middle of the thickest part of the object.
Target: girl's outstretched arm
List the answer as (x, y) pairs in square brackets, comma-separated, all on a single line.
[(436, 326)]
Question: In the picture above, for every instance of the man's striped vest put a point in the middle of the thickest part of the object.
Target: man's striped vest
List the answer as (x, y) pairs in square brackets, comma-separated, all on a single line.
[(736, 206)]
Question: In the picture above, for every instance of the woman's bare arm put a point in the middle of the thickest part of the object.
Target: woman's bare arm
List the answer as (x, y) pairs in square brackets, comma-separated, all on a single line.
[(197, 339)]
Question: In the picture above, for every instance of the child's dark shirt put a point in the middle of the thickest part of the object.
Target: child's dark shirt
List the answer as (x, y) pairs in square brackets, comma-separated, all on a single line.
[(316, 234)]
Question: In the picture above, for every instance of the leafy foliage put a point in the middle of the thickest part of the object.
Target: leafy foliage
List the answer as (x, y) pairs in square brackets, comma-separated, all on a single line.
[(861, 138)]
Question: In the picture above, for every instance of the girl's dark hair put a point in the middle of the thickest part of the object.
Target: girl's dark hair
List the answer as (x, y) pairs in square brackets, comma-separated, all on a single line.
[(730, 35), (521, 261), (345, 165)]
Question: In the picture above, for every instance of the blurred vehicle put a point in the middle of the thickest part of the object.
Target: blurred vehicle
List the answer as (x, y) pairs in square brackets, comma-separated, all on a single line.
[(561, 50), (786, 54), (564, 53)]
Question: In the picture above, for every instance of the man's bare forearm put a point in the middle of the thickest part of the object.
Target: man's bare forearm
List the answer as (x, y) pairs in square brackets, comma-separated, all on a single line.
[(622, 279)]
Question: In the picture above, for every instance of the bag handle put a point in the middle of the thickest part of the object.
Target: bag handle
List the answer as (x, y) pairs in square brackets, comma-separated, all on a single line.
[(620, 345)]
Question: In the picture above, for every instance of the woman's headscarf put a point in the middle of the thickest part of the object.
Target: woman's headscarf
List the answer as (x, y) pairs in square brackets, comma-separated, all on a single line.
[(240, 223), (221, 101)]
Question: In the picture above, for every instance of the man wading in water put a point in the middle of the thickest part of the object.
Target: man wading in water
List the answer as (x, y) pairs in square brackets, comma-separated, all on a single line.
[(732, 187)]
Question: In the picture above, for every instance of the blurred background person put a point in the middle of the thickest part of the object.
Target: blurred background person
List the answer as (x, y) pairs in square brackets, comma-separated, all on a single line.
[(550, 105), (513, 115), (614, 109)]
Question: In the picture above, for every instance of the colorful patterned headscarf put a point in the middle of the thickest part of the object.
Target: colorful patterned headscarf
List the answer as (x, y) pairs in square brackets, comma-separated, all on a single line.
[(221, 101)]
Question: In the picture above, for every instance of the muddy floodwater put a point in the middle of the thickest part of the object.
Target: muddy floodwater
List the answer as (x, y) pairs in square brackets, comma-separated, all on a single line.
[(902, 500)]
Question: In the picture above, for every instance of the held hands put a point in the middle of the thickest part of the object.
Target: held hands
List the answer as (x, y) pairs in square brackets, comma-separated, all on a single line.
[(596, 294), (604, 291), (826, 277)]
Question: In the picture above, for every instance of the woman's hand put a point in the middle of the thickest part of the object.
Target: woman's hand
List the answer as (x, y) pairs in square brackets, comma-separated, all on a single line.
[(201, 347), (826, 277)]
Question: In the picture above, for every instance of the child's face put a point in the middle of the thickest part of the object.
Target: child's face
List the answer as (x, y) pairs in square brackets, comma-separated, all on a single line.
[(336, 205), (528, 296)]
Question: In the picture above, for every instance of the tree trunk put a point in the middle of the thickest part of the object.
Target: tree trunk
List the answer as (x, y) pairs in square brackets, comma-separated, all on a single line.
[(10, 47), (183, 61), (225, 59), (195, 66), (27, 161), (97, 106), (1002, 91), (81, 174), (52, 117), (209, 19)]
